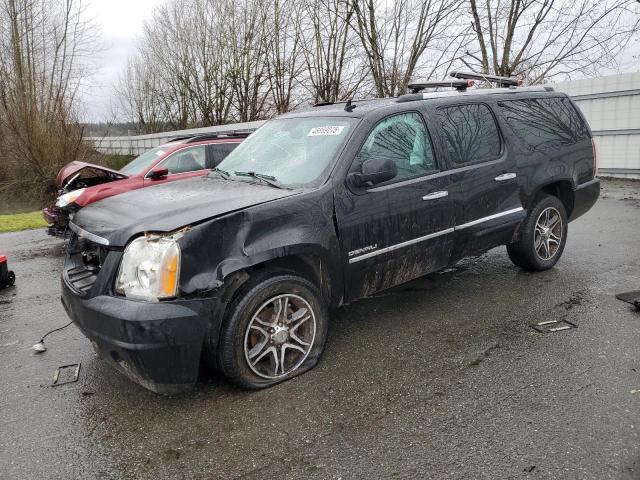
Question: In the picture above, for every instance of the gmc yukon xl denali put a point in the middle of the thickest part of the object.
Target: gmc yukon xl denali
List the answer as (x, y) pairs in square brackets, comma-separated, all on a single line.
[(316, 209)]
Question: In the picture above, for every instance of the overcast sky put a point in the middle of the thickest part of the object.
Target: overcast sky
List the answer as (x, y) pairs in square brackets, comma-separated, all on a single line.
[(119, 22)]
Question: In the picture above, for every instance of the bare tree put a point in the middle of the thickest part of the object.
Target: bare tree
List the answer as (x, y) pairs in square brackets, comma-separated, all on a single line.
[(44, 55), (334, 67), (246, 46), (209, 81), (137, 92), (546, 38), (166, 48), (284, 60), (395, 39)]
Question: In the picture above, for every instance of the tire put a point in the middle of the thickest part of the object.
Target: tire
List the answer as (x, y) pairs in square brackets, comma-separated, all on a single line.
[(530, 251), (248, 344)]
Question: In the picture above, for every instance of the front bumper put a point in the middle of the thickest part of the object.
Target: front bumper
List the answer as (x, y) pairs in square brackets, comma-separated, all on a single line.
[(157, 345), (584, 197)]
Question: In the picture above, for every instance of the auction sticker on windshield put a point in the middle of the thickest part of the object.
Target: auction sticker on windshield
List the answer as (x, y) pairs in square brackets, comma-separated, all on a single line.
[(328, 130)]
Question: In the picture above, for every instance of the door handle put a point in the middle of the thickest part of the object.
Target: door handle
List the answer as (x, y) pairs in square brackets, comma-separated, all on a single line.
[(434, 195), (504, 177)]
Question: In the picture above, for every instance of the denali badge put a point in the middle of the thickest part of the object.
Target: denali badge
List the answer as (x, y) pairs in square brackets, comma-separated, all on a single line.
[(368, 248)]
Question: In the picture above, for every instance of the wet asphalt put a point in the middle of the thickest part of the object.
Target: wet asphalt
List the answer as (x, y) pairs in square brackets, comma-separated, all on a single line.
[(439, 378)]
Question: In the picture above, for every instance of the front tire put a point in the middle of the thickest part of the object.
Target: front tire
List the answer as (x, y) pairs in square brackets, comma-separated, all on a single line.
[(274, 330), (542, 236)]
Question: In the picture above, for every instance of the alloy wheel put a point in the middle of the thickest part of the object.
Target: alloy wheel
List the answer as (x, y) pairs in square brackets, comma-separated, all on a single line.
[(279, 336), (548, 233)]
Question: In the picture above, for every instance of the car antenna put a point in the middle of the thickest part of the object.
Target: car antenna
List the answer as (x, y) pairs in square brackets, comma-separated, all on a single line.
[(349, 106)]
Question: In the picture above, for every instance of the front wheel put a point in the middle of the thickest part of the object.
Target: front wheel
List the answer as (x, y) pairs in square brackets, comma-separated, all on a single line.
[(542, 237), (275, 329)]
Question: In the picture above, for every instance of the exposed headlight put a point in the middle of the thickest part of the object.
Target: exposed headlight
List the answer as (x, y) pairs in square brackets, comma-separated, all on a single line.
[(150, 268), (69, 198)]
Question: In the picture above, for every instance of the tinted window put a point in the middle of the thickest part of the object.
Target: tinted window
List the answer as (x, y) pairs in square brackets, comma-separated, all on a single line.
[(470, 133), (542, 122), (187, 160), (219, 152), (402, 139)]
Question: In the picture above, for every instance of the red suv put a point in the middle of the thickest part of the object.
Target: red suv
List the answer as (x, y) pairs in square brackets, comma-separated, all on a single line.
[(83, 183)]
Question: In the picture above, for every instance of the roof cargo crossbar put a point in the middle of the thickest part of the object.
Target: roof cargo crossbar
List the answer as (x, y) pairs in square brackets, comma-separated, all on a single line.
[(457, 84), (500, 81)]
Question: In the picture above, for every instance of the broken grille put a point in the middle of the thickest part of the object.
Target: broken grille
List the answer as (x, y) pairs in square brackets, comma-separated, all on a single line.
[(84, 263)]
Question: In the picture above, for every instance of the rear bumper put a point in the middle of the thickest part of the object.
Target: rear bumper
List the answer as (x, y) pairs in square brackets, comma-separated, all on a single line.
[(584, 197), (157, 345)]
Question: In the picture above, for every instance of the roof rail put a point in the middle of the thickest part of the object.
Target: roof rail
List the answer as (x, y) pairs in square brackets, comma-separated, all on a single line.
[(212, 136), (178, 138), (460, 85), (324, 104), (500, 81)]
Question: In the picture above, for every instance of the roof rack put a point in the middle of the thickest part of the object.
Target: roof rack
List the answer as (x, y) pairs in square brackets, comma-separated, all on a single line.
[(460, 85), (500, 81), (324, 104)]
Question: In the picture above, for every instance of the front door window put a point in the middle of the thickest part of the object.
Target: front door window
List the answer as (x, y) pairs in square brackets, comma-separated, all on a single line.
[(187, 160), (402, 139)]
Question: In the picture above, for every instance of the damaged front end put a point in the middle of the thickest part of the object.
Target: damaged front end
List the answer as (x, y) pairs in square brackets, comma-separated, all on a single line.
[(148, 275), (154, 339), (72, 180)]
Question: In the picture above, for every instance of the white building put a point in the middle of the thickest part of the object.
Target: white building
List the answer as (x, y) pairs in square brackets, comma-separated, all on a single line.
[(612, 107)]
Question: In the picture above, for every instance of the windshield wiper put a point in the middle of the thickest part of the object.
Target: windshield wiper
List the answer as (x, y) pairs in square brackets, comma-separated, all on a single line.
[(222, 173), (269, 179)]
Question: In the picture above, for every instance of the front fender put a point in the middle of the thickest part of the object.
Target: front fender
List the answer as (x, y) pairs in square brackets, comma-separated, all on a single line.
[(215, 250)]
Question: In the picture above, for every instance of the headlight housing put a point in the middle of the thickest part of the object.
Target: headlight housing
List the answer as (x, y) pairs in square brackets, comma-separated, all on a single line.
[(69, 198), (150, 268)]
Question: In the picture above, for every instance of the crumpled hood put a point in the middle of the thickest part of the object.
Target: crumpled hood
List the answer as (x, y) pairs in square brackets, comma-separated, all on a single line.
[(74, 167), (170, 206)]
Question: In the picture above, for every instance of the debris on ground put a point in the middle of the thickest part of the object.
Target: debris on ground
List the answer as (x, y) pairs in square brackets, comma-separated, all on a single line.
[(632, 298), (40, 347), (552, 326), (66, 374)]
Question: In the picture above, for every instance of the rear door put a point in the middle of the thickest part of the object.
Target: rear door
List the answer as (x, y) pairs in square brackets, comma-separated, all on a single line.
[(399, 230), (483, 174)]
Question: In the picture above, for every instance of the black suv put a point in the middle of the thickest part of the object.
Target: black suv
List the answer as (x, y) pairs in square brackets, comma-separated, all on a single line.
[(316, 209)]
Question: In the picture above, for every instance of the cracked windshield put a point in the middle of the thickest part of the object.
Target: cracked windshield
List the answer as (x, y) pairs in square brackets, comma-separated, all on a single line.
[(292, 151)]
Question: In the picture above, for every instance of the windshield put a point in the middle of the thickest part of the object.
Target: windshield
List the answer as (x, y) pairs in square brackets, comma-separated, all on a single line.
[(144, 161), (291, 151)]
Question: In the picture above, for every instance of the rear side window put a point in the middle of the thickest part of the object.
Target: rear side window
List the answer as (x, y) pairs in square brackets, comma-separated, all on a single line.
[(219, 152), (470, 133), (544, 122), (402, 139)]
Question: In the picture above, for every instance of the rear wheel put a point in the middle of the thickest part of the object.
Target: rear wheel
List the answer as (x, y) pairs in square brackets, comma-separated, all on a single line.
[(542, 237), (274, 330)]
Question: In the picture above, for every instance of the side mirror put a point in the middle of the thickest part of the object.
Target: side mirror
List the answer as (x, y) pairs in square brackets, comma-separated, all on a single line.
[(374, 171), (158, 173)]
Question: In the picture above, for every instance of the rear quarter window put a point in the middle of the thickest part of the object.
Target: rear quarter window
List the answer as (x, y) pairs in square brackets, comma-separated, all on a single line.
[(470, 133), (544, 122)]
